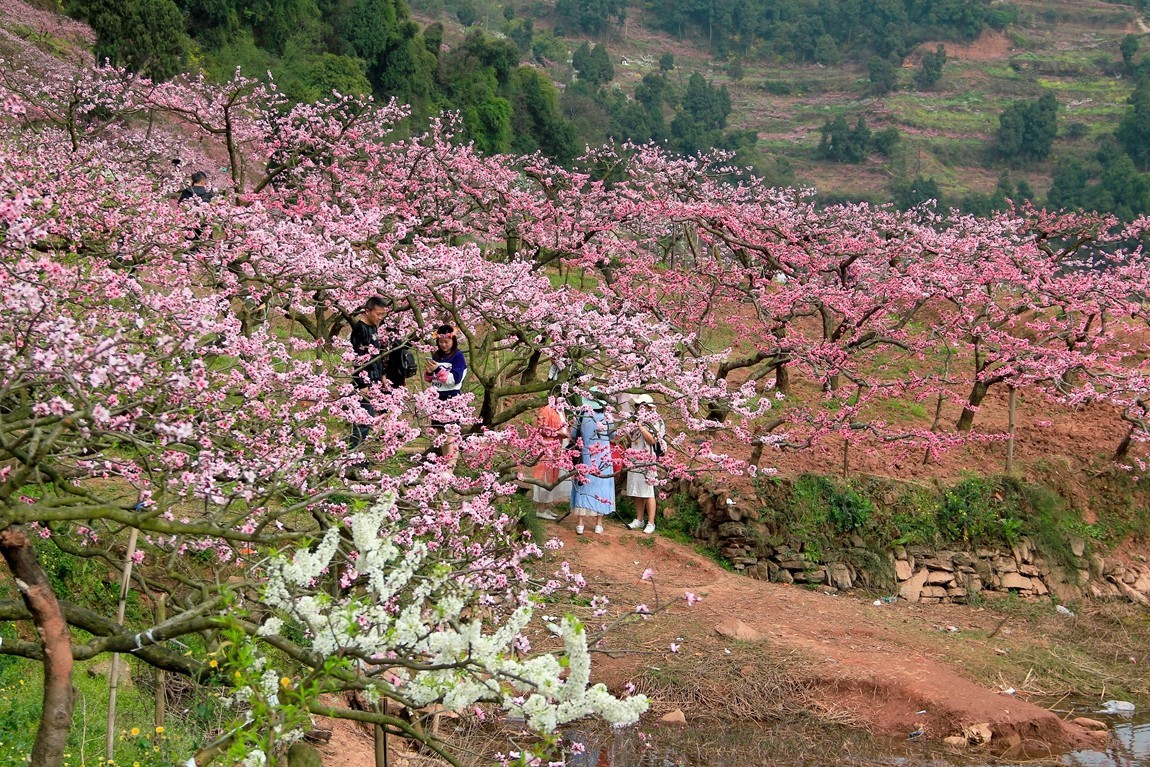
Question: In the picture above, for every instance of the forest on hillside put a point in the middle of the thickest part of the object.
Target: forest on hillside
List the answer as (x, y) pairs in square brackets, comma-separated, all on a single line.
[(522, 88)]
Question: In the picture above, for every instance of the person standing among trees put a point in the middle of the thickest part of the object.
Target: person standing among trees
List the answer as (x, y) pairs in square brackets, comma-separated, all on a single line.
[(593, 490), (553, 433), (369, 353), (643, 454), (445, 371), (198, 190)]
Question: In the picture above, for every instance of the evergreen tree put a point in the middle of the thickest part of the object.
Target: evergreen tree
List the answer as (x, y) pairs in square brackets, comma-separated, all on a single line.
[(1128, 47), (1068, 186), (535, 118), (840, 143), (1134, 130), (593, 65), (910, 193), (593, 16), (1026, 129), (145, 36), (930, 72), (882, 74)]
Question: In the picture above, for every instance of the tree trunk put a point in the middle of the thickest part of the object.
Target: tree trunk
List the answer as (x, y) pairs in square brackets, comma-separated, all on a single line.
[(1124, 446), (56, 718), (977, 395), (782, 379)]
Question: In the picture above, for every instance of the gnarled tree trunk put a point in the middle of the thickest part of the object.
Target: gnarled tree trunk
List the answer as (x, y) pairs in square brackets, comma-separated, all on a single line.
[(56, 718), (977, 395)]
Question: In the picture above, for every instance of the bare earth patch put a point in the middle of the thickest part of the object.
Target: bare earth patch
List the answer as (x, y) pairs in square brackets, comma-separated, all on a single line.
[(861, 664)]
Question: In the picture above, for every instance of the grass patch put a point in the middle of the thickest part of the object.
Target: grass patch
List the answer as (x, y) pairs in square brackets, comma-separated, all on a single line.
[(197, 716)]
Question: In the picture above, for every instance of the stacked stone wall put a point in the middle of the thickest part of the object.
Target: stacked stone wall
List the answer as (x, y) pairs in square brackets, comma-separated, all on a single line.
[(734, 527)]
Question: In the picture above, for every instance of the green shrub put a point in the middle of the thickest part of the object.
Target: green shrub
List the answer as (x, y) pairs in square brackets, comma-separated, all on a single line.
[(684, 519)]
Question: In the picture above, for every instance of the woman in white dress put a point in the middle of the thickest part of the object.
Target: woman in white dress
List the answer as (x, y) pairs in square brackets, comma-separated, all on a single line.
[(641, 479)]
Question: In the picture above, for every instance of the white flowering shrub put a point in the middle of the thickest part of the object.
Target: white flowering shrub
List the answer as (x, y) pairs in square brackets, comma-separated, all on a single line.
[(416, 624)]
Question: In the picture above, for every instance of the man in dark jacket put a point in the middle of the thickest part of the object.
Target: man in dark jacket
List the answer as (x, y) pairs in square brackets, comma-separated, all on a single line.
[(198, 189), (370, 353)]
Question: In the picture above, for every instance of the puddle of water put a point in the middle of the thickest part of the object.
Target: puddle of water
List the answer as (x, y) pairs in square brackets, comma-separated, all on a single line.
[(1129, 746)]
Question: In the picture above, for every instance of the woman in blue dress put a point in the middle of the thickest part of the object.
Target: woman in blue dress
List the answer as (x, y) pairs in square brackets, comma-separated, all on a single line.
[(593, 488)]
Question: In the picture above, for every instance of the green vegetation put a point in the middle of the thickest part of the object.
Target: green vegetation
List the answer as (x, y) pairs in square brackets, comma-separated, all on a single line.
[(1027, 129), (826, 30), (818, 514), (520, 85)]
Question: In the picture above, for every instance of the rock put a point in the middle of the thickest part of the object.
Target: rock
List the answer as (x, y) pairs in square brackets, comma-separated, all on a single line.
[(733, 530), (840, 576), (302, 755), (939, 562), (978, 733), (1021, 552), (902, 569), (1134, 596), (816, 576), (1065, 592), (104, 669), (955, 741), (1142, 583), (1089, 724), (1098, 734), (783, 576), (911, 589), (857, 541), (1077, 546), (1005, 565), (732, 628), (674, 718), (1016, 581), (933, 592), (957, 593), (1030, 570), (940, 577), (1039, 587)]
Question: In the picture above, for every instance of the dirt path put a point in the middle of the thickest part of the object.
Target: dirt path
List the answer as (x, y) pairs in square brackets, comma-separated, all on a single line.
[(868, 662)]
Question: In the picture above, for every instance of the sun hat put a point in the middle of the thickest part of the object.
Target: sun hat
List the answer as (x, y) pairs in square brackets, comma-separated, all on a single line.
[(642, 399)]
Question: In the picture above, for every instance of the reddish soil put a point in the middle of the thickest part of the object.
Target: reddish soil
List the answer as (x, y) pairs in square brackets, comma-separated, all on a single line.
[(868, 664), (991, 45)]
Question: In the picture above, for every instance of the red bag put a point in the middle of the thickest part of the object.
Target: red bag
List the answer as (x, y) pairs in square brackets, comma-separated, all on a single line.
[(617, 457)]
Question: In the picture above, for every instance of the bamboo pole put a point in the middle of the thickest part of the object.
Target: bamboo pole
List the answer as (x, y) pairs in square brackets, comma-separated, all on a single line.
[(114, 675), (161, 691), (1011, 408)]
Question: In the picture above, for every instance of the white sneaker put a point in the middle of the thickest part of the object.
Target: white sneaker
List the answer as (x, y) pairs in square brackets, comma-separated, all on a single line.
[(547, 514), (599, 529), (579, 529), (635, 524), (650, 528)]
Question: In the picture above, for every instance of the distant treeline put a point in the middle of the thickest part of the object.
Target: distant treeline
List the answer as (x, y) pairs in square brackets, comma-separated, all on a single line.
[(825, 31), (313, 47)]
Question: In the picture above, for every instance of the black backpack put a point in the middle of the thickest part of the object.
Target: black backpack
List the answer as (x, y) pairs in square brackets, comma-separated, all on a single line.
[(407, 364)]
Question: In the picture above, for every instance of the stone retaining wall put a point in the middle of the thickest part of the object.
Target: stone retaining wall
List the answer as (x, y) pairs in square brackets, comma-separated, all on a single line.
[(733, 527)]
